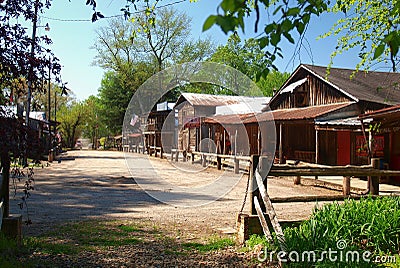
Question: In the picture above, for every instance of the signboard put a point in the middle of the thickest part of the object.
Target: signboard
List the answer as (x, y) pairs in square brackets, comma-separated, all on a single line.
[(192, 122), (361, 146), (378, 146)]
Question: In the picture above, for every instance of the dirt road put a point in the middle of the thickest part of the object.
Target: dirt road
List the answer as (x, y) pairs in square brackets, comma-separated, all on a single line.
[(98, 184)]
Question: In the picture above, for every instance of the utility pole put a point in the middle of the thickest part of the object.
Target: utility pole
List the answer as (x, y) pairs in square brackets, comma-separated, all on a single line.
[(30, 73), (48, 94)]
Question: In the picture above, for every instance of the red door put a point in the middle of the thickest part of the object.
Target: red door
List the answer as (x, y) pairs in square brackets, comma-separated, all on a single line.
[(343, 148)]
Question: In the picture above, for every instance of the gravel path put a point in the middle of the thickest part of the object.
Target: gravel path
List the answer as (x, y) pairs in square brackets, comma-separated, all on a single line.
[(98, 185)]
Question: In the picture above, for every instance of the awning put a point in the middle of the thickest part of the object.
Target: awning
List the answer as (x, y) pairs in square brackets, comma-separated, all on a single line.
[(293, 86)]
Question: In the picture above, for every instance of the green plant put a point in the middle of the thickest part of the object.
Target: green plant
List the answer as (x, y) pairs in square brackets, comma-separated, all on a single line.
[(212, 244), (366, 225), (8, 252), (255, 240)]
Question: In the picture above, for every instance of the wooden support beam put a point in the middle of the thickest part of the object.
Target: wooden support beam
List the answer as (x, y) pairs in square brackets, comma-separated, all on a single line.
[(176, 155), (270, 210), (184, 155), (204, 160), (236, 165), (262, 219), (239, 157), (316, 147), (219, 163), (321, 198), (334, 171), (253, 189), (280, 144), (297, 180), (374, 181), (12, 227), (346, 185)]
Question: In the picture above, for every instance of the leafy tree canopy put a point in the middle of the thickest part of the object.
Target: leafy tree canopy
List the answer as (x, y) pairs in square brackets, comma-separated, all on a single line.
[(248, 58), (370, 26)]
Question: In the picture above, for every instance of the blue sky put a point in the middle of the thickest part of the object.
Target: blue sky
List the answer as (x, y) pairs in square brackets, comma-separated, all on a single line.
[(72, 39)]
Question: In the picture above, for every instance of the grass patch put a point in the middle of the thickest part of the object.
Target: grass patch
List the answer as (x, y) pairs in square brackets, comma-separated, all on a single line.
[(255, 240), (212, 245), (73, 238), (8, 251)]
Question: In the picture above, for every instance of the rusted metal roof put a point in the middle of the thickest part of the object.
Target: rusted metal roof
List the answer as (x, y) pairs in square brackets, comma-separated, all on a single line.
[(388, 117), (196, 99), (230, 119), (351, 121), (382, 113), (305, 113)]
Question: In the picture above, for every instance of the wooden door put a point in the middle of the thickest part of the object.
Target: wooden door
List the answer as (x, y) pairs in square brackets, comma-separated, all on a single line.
[(343, 148)]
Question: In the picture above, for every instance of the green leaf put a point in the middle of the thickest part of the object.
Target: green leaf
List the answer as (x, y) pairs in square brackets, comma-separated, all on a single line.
[(265, 2), (306, 18), (288, 37), (277, 10), (300, 27), (287, 25), (210, 21), (226, 23), (275, 39), (269, 28), (263, 42), (232, 6), (294, 11)]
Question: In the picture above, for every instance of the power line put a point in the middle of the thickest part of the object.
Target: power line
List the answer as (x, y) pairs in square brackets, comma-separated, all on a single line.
[(113, 16)]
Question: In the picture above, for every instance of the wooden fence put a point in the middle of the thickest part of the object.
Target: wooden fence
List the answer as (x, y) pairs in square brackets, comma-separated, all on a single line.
[(266, 214), (244, 163)]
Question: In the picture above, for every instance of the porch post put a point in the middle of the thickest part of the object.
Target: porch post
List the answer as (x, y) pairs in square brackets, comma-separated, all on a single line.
[(316, 146), (224, 145), (370, 137), (280, 144), (259, 140)]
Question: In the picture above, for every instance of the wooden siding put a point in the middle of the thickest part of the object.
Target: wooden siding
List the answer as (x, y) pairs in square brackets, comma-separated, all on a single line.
[(327, 147), (252, 132), (186, 112), (298, 142), (312, 93)]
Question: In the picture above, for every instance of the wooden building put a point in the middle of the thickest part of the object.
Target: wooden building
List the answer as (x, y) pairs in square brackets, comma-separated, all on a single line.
[(193, 108), (314, 115), (322, 136), (385, 137), (158, 127)]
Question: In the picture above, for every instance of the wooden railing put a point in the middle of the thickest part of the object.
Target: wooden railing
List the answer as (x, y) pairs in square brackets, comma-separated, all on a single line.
[(267, 216), (213, 158)]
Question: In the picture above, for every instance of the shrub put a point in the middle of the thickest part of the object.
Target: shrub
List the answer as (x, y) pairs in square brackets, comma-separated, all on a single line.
[(367, 225)]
